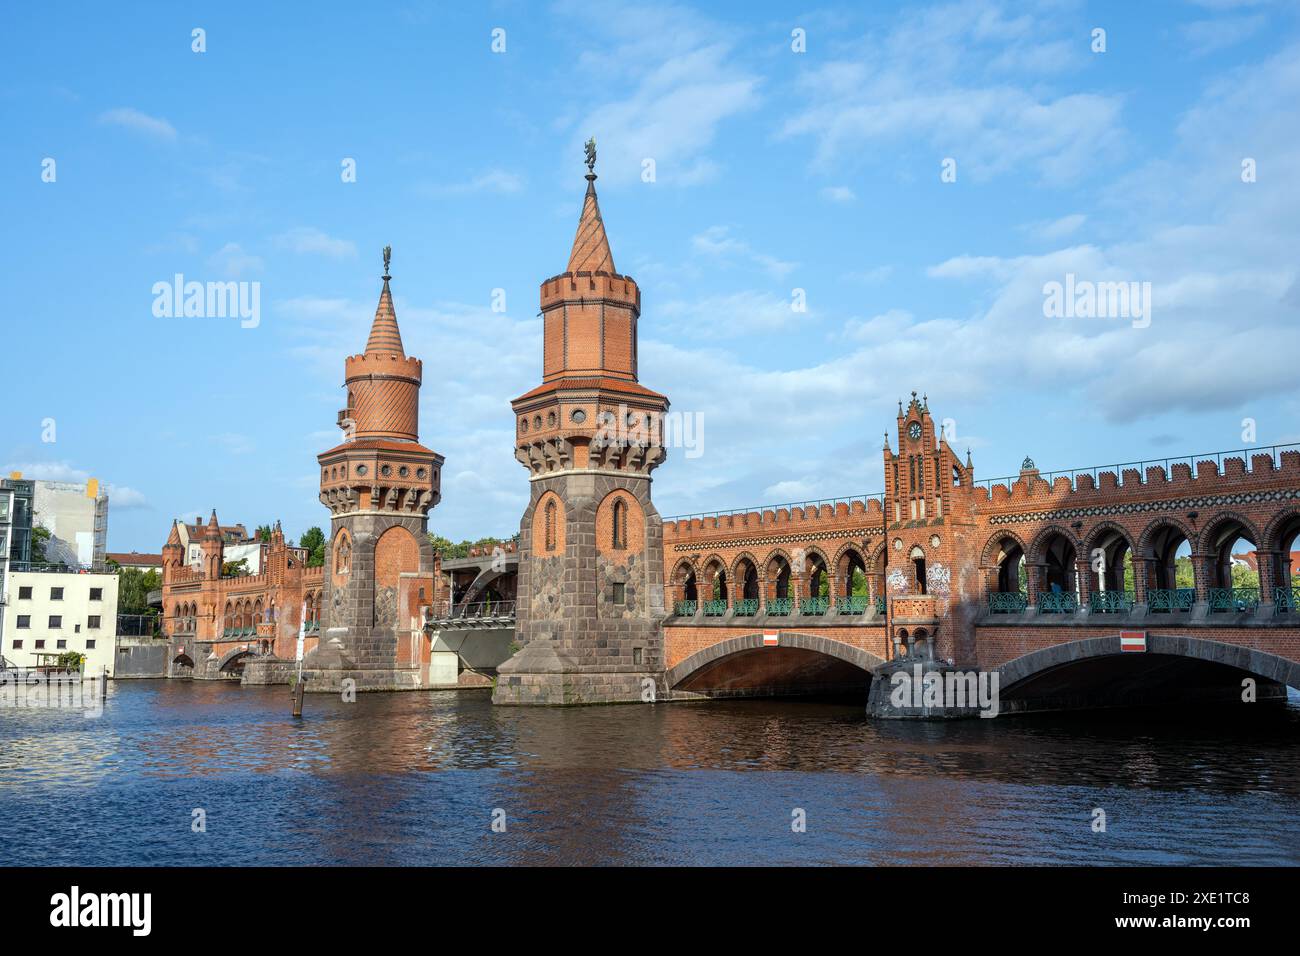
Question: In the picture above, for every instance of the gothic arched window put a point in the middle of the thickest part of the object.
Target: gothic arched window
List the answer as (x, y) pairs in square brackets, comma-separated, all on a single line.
[(550, 526), (620, 525)]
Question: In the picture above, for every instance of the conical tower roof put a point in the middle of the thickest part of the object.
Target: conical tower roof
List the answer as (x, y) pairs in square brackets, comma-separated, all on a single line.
[(591, 245), (385, 336)]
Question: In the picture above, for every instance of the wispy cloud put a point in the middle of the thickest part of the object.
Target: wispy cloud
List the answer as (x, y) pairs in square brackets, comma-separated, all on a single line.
[(132, 119), (492, 181), (716, 241), (308, 241)]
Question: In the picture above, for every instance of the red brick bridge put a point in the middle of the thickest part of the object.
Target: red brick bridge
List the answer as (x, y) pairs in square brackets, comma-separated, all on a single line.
[(1035, 576)]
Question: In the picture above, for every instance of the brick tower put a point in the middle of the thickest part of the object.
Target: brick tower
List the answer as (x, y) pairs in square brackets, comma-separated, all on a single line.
[(590, 594), (379, 485)]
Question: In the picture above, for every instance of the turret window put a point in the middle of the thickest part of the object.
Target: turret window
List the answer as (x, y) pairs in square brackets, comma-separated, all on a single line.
[(620, 525), (550, 526)]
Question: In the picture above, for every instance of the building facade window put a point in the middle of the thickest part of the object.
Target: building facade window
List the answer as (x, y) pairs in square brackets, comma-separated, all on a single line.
[(92, 622), (40, 645), (56, 594), (18, 644), (620, 593), (90, 644), (56, 620), (60, 645), (25, 593), (24, 620), (97, 594), (550, 526)]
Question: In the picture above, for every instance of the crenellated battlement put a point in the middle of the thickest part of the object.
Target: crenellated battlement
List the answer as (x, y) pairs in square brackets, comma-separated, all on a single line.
[(364, 365)]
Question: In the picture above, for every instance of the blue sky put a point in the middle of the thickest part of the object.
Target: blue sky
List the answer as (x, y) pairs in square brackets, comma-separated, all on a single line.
[(775, 170)]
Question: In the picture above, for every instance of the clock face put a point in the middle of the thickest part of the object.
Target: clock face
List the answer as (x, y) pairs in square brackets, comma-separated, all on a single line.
[(914, 430)]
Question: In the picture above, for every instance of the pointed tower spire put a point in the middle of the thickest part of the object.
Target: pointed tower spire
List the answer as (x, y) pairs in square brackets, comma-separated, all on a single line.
[(591, 245), (385, 337)]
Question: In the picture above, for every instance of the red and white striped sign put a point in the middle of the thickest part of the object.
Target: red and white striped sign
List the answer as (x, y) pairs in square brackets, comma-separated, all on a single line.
[(771, 638), (1133, 640)]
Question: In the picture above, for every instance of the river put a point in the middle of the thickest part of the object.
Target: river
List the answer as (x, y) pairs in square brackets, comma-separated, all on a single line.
[(419, 778)]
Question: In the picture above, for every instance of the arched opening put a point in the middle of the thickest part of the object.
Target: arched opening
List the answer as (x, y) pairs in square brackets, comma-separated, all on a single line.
[(854, 589), (1008, 593), (818, 584), (1232, 549), (1285, 544), (715, 581), (550, 526), (777, 601), (1173, 670), (1112, 584), (801, 665), (746, 600), (685, 591), (1059, 588), (917, 557), (1171, 580), (920, 643)]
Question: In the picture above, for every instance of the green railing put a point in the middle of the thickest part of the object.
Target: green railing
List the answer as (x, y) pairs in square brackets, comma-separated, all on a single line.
[(1165, 600), (1228, 600), (1111, 602), (779, 607), (1007, 602), (1286, 600), (880, 605), (715, 608), (746, 607), (815, 606), (1058, 602), (684, 608), (854, 604)]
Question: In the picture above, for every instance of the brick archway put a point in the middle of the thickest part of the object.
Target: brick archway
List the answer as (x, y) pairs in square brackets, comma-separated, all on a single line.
[(838, 650)]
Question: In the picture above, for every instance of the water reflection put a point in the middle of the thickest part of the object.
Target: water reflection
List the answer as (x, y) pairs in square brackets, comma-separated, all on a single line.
[(413, 778)]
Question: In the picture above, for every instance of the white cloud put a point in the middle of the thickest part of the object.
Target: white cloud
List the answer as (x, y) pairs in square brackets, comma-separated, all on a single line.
[(935, 85), (133, 119), (840, 194), (731, 315), (232, 261), (679, 85), (309, 241), (120, 497), (717, 242), (493, 181), (1208, 36)]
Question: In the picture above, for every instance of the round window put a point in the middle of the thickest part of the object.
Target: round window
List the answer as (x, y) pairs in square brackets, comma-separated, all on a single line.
[(385, 470), (362, 469), (403, 471), (578, 416)]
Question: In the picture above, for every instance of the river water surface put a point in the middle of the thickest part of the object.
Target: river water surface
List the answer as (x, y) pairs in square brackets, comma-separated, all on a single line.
[(418, 778)]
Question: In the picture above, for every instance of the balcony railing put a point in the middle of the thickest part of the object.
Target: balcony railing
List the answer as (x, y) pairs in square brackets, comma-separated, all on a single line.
[(1286, 600), (746, 607), (780, 607), (814, 606), (880, 605), (1111, 602), (1166, 600), (684, 608), (478, 612), (852, 604), (1058, 602), (1228, 600), (1007, 602), (715, 608)]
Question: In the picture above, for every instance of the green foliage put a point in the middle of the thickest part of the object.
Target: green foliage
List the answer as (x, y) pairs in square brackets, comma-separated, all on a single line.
[(449, 549), (133, 587), (71, 660), (263, 533), (40, 537), (234, 569), (859, 588), (313, 540)]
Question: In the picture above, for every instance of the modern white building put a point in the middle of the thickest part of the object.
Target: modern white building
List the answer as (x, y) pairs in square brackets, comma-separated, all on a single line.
[(49, 613)]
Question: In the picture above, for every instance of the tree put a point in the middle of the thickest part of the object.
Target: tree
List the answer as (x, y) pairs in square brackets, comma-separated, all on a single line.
[(71, 660), (313, 541), (263, 533), (234, 569), (133, 587), (40, 537)]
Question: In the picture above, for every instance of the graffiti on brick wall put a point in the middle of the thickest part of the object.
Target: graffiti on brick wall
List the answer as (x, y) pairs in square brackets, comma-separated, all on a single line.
[(897, 581), (938, 579)]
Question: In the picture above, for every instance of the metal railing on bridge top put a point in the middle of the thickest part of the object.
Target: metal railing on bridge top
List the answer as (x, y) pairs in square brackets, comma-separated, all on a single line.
[(480, 613), (1218, 457)]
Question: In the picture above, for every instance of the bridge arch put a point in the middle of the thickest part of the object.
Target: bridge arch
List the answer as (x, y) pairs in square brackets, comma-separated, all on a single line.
[(746, 666), (1097, 669), (232, 661)]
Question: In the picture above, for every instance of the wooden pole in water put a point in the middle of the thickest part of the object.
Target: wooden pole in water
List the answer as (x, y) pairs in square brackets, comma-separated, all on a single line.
[(103, 684), (299, 685), (298, 689)]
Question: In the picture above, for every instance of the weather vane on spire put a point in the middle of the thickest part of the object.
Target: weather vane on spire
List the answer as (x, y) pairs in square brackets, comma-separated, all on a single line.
[(388, 257), (591, 154)]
